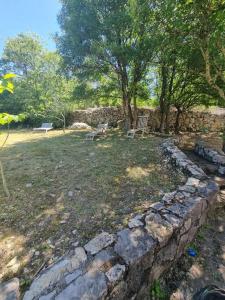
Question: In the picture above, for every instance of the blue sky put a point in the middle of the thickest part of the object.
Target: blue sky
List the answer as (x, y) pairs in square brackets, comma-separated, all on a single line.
[(39, 16)]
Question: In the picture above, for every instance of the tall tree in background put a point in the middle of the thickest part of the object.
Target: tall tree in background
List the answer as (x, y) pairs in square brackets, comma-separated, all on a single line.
[(109, 38), (39, 80)]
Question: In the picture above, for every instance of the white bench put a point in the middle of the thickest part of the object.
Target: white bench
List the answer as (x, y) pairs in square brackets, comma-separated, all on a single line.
[(44, 127)]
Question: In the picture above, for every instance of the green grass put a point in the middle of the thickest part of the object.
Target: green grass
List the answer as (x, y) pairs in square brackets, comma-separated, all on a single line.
[(110, 178)]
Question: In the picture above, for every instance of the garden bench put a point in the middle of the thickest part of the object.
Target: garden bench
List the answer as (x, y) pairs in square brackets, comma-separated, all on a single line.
[(101, 129), (44, 127), (142, 125)]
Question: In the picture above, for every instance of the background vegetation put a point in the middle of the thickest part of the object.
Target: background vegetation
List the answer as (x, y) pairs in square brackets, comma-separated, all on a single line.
[(121, 52)]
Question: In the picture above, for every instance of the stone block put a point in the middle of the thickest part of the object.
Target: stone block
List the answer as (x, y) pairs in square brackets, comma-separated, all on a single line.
[(104, 260), (159, 228), (100, 242), (55, 273), (90, 286), (134, 244)]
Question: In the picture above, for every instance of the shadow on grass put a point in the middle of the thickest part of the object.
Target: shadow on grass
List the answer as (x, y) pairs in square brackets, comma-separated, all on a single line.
[(65, 189)]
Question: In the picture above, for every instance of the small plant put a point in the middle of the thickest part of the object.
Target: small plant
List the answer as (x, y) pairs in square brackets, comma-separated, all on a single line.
[(156, 292)]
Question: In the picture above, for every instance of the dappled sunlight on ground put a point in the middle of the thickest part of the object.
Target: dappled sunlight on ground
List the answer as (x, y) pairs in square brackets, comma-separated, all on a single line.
[(11, 252), (137, 172), (65, 190)]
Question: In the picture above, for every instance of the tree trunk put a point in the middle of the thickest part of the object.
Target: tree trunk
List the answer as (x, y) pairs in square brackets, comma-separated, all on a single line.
[(5, 187), (177, 122), (162, 100), (64, 122), (223, 145), (135, 113)]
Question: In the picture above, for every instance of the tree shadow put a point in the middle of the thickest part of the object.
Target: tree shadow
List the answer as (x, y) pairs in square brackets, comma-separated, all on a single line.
[(65, 190)]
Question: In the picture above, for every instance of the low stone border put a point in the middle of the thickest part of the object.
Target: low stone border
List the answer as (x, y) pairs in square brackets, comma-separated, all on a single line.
[(125, 264), (211, 155)]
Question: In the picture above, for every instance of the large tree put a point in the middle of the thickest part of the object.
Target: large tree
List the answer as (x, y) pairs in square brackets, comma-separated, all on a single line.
[(114, 39)]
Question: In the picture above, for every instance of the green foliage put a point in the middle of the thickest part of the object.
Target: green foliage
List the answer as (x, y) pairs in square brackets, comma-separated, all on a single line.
[(6, 84), (111, 42), (156, 292), (134, 53), (6, 119), (39, 83)]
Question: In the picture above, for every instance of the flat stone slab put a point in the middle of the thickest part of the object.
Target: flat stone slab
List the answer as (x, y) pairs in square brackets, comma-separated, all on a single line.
[(54, 273), (133, 244), (100, 242), (10, 290), (91, 286)]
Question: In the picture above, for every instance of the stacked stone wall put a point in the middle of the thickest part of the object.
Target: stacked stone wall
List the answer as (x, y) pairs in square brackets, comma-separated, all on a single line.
[(211, 155), (192, 121), (125, 264)]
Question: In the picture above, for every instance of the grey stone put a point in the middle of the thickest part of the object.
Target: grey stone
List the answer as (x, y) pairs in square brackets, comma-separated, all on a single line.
[(159, 228), (78, 258), (49, 277), (100, 242), (169, 197), (187, 188), (178, 210), (49, 296), (70, 194), (55, 273), (10, 290), (90, 286), (134, 244), (104, 260), (72, 276), (196, 172), (115, 273), (175, 221), (221, 170), (157, 206), (135, 223), (193, 181)]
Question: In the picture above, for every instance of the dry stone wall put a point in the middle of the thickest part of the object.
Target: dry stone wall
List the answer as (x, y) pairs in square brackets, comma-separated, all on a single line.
[(125, 264), (211, 155), (192, 121)]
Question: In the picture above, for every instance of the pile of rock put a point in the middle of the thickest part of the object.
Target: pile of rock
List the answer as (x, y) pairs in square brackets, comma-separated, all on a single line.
[(125, 264), (80, 125)]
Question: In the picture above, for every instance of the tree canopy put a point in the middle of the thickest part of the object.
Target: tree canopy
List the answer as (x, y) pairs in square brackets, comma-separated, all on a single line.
[(121, 52)]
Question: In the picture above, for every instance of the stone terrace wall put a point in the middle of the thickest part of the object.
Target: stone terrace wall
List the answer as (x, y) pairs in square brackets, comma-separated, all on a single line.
[(192, 121), (211, 155), (125, 264)]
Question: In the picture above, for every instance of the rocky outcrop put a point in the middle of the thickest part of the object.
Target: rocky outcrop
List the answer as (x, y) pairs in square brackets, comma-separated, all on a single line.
[(211, 155), (125, 264), (192, 121)]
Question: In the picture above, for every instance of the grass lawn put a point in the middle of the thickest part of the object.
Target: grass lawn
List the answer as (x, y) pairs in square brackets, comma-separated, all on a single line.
[(65, 190)]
